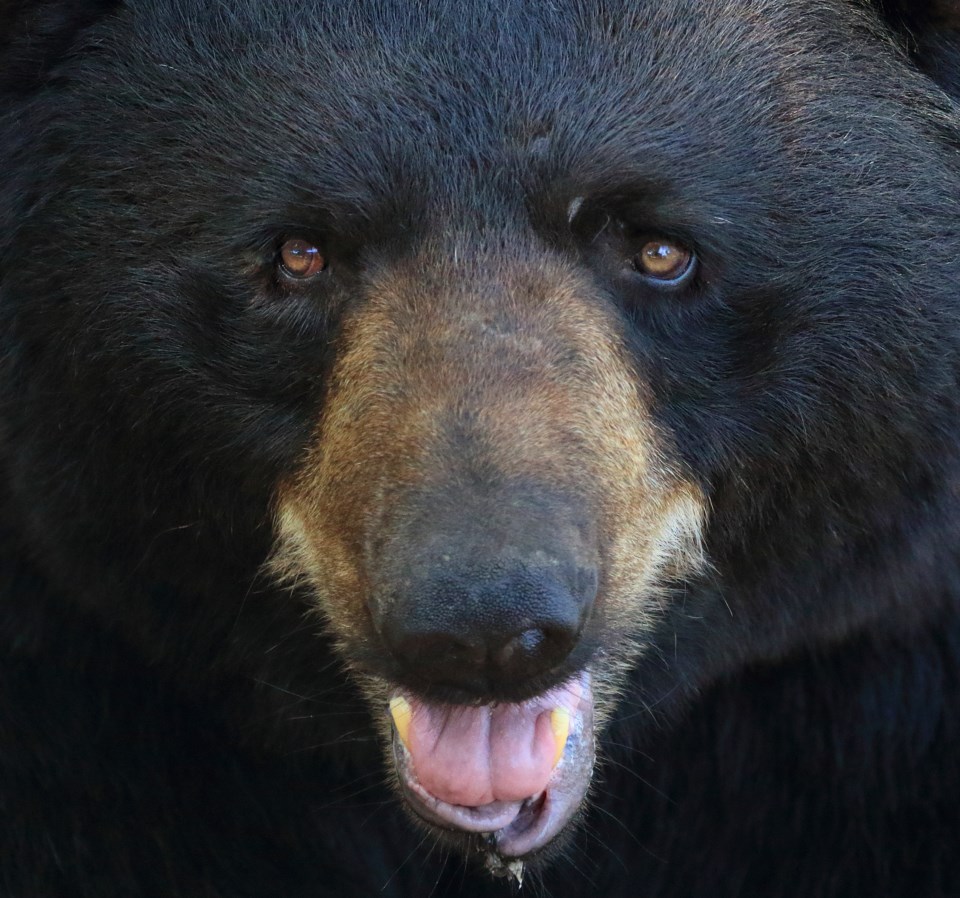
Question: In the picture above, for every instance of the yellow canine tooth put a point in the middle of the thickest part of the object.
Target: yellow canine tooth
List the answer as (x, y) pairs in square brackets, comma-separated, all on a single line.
[(560, 724), (401, 713)]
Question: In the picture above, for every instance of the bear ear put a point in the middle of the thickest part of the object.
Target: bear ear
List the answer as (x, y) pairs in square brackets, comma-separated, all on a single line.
[(35, 34), (931, 29)]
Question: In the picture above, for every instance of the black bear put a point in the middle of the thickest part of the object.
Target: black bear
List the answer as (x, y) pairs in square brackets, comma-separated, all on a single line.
[(454, 446)]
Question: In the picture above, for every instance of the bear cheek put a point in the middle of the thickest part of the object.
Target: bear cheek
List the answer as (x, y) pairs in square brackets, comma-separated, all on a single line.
[(520, 423)]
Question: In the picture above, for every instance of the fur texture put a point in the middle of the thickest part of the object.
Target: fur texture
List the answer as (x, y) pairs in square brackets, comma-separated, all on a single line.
[(780, 685)]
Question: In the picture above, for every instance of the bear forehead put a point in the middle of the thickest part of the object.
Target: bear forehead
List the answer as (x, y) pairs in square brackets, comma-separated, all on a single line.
[(373, 107), (448, 77)]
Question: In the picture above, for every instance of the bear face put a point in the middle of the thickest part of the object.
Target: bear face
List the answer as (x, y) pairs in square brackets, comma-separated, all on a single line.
[(537, 355)]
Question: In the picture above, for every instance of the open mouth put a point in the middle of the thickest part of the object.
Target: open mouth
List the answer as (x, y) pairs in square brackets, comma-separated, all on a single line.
[(516, 772)]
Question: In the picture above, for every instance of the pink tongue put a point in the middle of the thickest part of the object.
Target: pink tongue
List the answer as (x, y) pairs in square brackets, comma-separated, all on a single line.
[(474, 756)]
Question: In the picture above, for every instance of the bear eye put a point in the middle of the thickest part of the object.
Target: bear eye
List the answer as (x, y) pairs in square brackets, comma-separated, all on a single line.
[(301, 260), (664, 261)]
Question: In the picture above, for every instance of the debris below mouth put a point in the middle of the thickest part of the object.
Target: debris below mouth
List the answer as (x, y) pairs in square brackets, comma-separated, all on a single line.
[(517, 772), (497, 866)]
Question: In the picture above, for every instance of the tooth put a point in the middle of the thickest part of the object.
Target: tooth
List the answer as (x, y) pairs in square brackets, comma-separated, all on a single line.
[(401, 713), (560, 724)]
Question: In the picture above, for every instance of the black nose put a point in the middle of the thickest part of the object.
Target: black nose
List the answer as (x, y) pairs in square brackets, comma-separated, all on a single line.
[(490, 627)]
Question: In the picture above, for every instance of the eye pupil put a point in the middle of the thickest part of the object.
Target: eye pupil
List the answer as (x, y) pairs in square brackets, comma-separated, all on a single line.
[(301, 259), (663, 260)]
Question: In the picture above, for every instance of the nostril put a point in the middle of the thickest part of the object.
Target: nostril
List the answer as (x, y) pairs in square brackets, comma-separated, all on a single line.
[(428, 650), (525, 645), (534, 648), (529, 641)]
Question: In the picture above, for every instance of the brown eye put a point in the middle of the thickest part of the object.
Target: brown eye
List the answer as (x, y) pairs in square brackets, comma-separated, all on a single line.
[(663, 260), (301, 260)]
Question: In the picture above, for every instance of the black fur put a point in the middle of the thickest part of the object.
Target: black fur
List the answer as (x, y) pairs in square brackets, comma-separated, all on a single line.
[(171, 724)]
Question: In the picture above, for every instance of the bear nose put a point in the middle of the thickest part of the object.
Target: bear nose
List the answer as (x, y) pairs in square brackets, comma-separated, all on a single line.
[(482, 628)]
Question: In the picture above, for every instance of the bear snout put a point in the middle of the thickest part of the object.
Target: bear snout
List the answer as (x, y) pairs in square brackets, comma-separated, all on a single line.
[(477, 514), (484, 592), (488, 624)]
